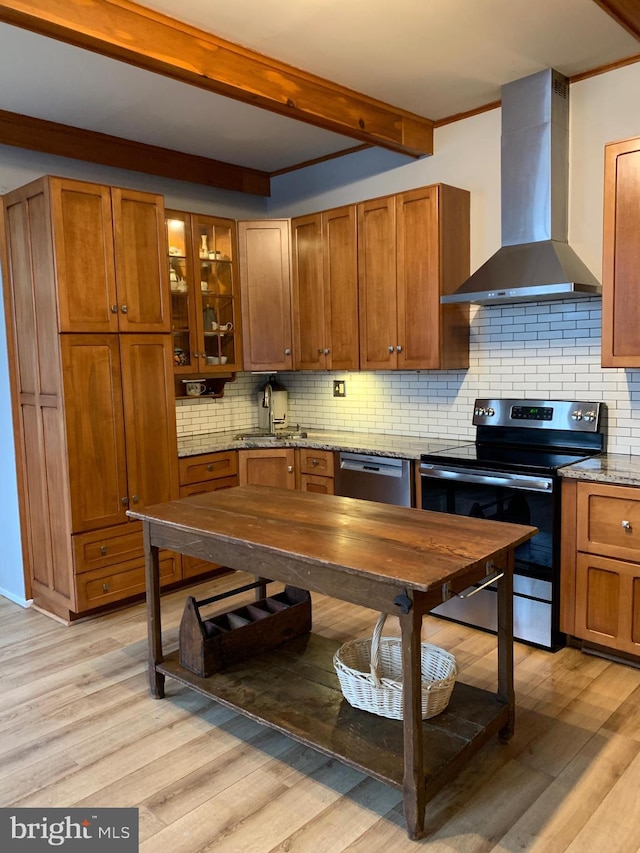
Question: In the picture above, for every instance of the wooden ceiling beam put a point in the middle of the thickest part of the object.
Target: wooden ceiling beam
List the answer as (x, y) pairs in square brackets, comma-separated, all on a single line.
[(625, 12), (65, 141), (126, 31)]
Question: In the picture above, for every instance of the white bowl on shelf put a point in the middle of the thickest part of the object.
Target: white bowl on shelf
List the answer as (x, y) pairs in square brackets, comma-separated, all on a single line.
[(214, 359)]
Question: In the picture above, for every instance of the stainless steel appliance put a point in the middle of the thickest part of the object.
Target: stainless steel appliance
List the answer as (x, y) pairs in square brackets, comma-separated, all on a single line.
[(510, 473), (535, 261), (374, 478)]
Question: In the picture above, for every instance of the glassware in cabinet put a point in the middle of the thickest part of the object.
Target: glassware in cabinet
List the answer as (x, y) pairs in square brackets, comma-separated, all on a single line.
[(178, 231), (219, 313)]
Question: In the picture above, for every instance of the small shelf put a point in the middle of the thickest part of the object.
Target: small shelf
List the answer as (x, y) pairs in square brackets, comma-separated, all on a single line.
[(215, 385), (365, 741)]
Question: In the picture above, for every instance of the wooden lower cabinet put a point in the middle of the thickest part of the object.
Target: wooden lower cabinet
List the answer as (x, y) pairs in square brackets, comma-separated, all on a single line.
[(601, 565), (316, 471), (268, 467), (107, 585), (288, 468), (206, 472), (608, 602)]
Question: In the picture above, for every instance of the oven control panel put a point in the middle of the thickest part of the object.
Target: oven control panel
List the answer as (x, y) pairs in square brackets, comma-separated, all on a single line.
[(531, 413), (574, 415)]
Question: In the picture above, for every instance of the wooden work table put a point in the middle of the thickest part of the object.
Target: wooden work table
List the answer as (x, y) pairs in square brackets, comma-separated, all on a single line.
[(392, 559)]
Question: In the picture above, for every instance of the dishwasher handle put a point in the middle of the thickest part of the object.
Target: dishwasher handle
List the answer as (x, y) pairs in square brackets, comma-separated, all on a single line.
[(380, 466)]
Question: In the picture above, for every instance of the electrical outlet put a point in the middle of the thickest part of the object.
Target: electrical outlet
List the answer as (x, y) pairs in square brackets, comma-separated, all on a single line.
[(339, 388)]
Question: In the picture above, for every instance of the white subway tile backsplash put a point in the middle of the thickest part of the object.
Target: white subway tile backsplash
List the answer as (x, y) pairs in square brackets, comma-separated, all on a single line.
[(535, 350)]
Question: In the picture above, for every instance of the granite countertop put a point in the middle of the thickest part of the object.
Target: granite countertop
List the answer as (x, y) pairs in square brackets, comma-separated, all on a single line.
[(381, 444), (620, 468)]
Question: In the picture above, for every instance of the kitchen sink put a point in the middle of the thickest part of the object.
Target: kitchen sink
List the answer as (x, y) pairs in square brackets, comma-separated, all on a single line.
[(270, 436)]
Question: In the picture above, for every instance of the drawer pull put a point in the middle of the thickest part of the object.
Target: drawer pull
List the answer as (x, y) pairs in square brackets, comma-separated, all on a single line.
[(105, 587), (210, 466), (103, 550), (626, 524), (314, 462)]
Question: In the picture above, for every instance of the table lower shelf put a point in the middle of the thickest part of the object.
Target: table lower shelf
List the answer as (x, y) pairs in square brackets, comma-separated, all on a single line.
[(294, 689)]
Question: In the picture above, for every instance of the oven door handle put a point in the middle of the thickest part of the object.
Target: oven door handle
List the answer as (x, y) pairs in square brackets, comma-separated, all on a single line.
[(487, 478)]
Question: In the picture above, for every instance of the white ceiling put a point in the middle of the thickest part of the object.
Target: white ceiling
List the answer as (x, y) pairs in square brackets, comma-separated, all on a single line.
[(436, 58)]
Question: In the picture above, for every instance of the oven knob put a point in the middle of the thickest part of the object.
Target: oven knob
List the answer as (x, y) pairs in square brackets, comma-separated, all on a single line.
[(576, 415), (479, 411), (490, 412), (589, 416)]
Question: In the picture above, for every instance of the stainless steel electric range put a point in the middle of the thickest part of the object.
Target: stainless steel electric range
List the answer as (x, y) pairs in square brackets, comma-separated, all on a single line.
[(510, 473)]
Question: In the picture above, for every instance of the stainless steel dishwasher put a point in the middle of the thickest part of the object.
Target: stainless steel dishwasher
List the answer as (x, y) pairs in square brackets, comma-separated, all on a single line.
[(374, 478)]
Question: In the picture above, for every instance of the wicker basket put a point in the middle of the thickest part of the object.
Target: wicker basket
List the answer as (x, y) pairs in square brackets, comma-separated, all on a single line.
[(370, 675)]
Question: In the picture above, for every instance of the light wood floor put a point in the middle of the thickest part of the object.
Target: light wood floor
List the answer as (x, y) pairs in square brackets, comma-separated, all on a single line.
[(77, 727)]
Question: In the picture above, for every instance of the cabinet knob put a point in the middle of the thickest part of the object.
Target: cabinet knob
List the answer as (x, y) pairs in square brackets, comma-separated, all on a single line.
[(105, 587), (125, 309), (391, 349), (626, 524), (135, 499), (114, 309), (314, 462), (398, 348), (125, 501), (320, 351), (326, 352), (103, 550), (210, 466), (287, 351), (290, 469)]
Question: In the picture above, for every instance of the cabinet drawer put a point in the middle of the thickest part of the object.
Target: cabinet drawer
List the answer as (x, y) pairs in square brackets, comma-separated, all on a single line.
[(318, 462), (608, 520), (207, 466), (320, 485), (107, 586), (101, 548), (210, 486)]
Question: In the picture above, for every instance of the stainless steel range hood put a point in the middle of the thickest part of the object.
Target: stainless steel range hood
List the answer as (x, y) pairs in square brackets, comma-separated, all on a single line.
[(535, 261)]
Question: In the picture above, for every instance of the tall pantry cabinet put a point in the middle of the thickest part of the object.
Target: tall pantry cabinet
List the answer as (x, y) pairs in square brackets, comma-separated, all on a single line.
[(89, 328)]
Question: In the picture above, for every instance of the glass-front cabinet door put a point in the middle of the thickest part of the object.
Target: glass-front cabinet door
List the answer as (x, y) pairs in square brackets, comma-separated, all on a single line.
[(183, 312), (205, 313), (218, 309)]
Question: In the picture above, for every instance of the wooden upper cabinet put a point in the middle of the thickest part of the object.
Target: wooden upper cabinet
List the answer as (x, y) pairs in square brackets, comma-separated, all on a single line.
[(265, 289), (377, 283), (325, 290), (205, 301), (110, 260), (621, 255), (142, 277), (308, 296), (413, 248)]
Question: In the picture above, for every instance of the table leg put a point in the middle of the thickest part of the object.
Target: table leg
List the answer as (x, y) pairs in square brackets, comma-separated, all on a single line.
[(505, 647), (154, 627), (413, 786)]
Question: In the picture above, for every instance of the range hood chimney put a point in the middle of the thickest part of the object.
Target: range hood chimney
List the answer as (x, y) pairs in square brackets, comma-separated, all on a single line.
[(535, 261)]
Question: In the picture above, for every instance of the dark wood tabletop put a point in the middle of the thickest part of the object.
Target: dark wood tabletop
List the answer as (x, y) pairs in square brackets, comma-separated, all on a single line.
[(417, 548)]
